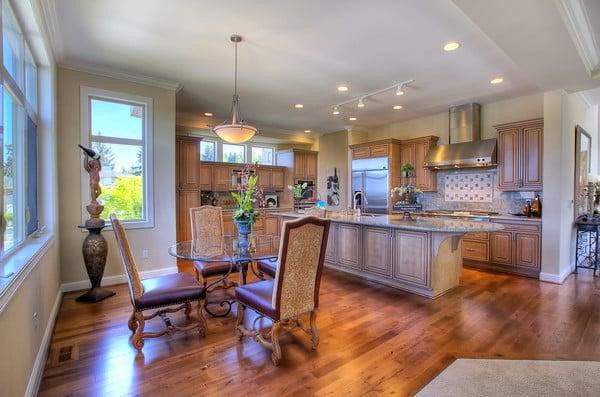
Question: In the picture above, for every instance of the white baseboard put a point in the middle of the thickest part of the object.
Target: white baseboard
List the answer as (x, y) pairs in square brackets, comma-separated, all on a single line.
[(40, 359), (119, 279), (556, 278)]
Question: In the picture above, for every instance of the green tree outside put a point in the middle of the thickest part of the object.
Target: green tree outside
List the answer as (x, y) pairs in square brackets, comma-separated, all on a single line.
[(124, 198)]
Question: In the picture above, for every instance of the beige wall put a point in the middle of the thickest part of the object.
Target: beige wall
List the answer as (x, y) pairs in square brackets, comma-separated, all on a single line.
[(562, 112), (333, 153), (514, 109), (157, 239)]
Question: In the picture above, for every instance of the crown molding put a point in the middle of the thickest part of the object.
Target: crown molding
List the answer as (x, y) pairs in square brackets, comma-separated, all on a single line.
[(134, 78), (50, 17), (575, 17)]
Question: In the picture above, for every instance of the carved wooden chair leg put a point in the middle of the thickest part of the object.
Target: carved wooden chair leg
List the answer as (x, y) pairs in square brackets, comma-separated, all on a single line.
[(132, 323), (201, 320), (138, 338), (239, 324), (313, 329), (275, 331), (188, 310)]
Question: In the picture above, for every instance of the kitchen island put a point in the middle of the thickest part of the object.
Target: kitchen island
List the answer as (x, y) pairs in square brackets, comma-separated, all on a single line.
[(421, 255)]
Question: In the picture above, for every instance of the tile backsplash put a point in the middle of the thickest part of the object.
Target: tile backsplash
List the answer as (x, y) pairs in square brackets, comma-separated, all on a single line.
[(473, 190)]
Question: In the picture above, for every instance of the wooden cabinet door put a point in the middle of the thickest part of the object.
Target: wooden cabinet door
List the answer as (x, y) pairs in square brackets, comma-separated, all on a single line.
[(272, 226), (501, 247), (278, 180), (229, 228), (221, 178), (527, 250), (377, 251), (410, 258), (425, 179), (532, 138), (475, 250), (311, 166), (188, 162), (349, 247), (206, 175), (331, 244), (407, 155), (361, 152), (265, 178), (379, 151), (186, 199), (299, 165), (508, 159)]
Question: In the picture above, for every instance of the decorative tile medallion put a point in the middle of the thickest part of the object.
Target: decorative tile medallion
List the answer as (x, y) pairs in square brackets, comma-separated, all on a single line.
[(476, 187)]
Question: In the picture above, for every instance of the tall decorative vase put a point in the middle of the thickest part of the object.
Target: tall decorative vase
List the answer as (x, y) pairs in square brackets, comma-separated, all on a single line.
[(244, 230), (95, 250)]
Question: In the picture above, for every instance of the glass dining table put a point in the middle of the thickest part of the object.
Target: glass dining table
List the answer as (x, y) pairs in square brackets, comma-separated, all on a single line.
[(227, 249)]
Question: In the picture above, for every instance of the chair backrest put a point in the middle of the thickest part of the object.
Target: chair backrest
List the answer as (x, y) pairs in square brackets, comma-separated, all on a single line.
[(301, 255), (315, 211), (206, 222), (135, 284)]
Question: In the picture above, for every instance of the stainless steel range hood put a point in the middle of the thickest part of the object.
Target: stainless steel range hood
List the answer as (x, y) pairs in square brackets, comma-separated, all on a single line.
[(465, 150)]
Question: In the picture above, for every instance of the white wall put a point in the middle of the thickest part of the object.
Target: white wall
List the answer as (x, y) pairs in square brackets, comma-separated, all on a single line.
[(562, 112), (333, 153), (157, 239)]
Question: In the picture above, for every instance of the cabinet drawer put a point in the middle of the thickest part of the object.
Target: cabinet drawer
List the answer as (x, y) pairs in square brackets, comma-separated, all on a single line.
[(480, 236), (360, 153), (520, 227), (476, 250), (379, 151)]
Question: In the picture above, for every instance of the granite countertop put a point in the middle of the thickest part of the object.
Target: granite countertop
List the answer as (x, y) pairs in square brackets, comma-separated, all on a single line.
[(276, 209), (500, 217), (423, 224)]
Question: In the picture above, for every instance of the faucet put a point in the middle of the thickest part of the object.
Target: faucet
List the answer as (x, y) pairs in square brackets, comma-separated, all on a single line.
[(356, 210)]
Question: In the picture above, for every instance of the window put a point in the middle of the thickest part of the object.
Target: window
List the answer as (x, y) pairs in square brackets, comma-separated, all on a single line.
[(234, 153), (118, 127), (208, 151), (30, 79), (262, 155), (13, 44)]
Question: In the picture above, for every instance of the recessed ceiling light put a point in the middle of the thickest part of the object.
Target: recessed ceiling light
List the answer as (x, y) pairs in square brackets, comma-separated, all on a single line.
[(451, 46), (298, 106), (342, 88), (352, 119), (397, 107), (208, 114), (399, 91), (496, 80), (307, 131), (336, 110), (361, 104)]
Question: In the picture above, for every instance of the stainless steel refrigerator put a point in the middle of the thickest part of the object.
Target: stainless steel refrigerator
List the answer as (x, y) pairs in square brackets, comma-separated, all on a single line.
[(370, 176)]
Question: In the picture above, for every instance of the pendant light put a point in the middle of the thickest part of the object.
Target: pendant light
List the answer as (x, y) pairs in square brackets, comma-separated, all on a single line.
[(237, 131)]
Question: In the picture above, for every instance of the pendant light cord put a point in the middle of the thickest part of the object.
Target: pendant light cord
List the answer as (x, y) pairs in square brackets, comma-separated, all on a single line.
[(235, 79)]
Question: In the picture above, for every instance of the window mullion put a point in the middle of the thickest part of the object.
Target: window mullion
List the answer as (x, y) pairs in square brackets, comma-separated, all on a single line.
[(120, 141)]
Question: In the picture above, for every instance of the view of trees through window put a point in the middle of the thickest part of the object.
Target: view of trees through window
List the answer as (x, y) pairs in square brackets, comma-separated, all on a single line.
[(262, 155), (207, 151), (117, 135), (234, 153)]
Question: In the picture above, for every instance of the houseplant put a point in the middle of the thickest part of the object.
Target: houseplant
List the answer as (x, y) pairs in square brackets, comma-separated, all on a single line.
[(297, 190), (407, 170), (248, 196)]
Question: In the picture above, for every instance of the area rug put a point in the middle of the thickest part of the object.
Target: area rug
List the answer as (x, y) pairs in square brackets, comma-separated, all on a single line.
[(474, 377)]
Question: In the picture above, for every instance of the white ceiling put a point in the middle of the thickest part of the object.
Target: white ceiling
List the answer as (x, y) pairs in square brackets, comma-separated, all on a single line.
[(299, 51)]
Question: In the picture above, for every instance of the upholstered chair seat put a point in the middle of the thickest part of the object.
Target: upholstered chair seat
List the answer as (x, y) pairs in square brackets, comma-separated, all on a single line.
[(267, 267), (294, 291), (168, 294), (210, 269)]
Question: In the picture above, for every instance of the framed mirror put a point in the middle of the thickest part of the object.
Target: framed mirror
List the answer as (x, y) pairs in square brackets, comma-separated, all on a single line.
[(583, 150)]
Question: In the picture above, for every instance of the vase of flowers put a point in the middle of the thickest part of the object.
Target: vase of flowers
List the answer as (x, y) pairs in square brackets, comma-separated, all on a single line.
[(297, 190), (248, 196)]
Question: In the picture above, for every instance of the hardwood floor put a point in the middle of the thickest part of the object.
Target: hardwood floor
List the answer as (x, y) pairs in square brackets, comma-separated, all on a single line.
[(374, 340)]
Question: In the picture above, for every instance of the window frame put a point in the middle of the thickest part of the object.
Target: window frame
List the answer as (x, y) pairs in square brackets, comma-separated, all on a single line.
[(260, 146), (89, 93), (243, 145), (217, 151)]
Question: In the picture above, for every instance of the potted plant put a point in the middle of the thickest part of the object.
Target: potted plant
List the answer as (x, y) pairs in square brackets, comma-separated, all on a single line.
[(407, 170), (248, 196), (297, 190)]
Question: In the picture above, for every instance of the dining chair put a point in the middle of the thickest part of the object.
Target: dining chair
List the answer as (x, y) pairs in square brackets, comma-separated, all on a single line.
[(315, 211), (207, 225), (295, 289), (169, 294)]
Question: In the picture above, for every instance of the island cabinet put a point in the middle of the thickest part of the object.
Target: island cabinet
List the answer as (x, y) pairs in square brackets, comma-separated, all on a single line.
[(520, 155), (349, 245), (377, 250), (515, 249), (410, 260)]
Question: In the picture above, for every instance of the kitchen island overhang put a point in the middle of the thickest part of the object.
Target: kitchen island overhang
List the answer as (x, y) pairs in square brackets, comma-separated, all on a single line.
[(421, 255)]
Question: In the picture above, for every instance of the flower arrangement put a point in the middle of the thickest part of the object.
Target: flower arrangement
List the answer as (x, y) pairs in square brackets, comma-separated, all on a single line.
[(249, 195), (408, 194), (297, 189)]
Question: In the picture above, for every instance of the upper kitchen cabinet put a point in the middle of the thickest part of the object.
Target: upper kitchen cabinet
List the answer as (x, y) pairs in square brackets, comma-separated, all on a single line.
[(414, 151), (188, 162), (520, 154), (303, 163)]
